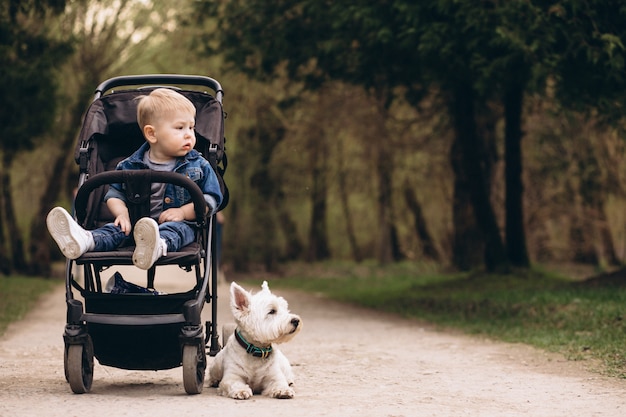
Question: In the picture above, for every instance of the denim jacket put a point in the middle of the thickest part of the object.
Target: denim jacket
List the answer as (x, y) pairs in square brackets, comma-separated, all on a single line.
[(192, 165)]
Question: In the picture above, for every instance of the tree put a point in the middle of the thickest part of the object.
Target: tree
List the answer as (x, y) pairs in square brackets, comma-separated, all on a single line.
[(270, 58), (587, 56), (578, 44), (29, 57), (379, 46), (473, 55)]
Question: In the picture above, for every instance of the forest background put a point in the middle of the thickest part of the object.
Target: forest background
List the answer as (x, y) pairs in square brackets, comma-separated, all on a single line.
[(472, 134)]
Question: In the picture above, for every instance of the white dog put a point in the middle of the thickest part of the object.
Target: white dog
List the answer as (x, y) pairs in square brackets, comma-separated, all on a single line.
[(250, 363)]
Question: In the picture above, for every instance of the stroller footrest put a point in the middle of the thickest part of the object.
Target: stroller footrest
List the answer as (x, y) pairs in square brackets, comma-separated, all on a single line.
[(190, 254)]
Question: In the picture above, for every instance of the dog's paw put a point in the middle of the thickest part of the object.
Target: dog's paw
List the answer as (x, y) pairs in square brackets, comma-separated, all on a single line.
[(284, 393), (243, 394)]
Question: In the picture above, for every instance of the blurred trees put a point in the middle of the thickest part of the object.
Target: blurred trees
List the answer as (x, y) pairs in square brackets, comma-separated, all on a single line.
[(382, 47), (469, 134), (29, 58), (480, 61)]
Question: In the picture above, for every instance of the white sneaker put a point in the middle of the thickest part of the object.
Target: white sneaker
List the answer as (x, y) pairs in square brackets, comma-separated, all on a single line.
[(148, 243), (72, 239)]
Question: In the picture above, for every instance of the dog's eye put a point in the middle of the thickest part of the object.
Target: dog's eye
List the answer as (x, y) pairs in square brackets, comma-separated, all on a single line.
[(272, 312)]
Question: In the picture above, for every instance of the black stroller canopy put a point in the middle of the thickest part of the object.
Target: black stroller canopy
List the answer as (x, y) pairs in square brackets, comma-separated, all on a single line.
[(112, 120)]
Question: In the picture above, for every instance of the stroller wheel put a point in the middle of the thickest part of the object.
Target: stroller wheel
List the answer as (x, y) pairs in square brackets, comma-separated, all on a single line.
[(194, 367), (65, 367), (79, 367)]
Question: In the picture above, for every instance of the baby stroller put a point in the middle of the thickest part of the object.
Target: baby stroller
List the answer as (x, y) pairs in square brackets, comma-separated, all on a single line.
[(141, 329)]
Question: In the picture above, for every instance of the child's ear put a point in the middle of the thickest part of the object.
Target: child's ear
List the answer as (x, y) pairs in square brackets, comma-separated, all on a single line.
[(148, 133)]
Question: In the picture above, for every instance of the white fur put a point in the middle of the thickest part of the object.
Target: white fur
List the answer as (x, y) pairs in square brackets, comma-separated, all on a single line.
[(263, 320)]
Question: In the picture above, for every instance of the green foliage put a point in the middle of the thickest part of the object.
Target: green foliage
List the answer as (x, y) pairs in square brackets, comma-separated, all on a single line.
[(313, 40), (12, 8), (580, 319), (579, 44), (29, 58), (588, 55), (18, 295)]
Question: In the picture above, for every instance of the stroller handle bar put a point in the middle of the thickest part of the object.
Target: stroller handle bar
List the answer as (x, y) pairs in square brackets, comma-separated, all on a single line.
[(145, 175), (155, 79)]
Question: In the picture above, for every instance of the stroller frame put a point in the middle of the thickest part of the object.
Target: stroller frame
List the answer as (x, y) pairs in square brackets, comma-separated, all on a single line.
[(142, 331)]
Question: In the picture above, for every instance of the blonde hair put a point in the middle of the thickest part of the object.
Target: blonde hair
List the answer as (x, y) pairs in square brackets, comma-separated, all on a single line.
[(160, 102)]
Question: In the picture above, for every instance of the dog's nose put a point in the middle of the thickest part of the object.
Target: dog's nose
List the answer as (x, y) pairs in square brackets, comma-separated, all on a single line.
[(295, 322)]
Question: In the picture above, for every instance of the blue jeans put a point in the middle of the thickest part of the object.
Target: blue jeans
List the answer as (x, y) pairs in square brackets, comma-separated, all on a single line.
[(176, 234)]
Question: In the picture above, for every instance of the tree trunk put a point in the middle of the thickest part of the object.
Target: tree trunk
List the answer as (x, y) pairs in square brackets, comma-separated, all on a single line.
[(318, 239), (468, 246), (580, 231), (5, 260), (515, 234), (39, 248), (429, 250), (293, 245), (383, 162), (471, 148), (396, 249), (265, 224), (383, 171), (14, 236), (270, 132), (267, 228), (345, 208), (606, 239), (605, 248)]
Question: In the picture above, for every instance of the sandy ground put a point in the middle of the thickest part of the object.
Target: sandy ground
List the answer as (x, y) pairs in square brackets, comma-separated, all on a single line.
[(347, 361)]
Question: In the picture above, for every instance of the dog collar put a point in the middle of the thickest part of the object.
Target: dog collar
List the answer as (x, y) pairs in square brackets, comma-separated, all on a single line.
[(251, 349)]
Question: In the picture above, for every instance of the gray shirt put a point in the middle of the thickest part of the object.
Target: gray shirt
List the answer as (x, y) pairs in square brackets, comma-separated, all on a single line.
[(157, 190)]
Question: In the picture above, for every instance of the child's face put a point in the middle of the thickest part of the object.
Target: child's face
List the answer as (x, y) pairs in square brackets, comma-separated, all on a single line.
[(171, 136)]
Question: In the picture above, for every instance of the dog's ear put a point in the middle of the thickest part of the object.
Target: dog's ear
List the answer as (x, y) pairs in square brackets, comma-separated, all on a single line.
[(240, 298), (265, 286)]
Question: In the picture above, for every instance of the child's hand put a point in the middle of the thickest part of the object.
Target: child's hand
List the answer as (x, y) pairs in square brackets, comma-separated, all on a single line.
[(176, 214), (120, 211), (123, 221)]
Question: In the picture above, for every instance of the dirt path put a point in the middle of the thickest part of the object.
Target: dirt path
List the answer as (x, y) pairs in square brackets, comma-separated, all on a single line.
[(347, 361)]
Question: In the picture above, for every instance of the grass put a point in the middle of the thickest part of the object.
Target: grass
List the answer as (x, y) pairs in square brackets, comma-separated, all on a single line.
[(20, 294), (580, 319)]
